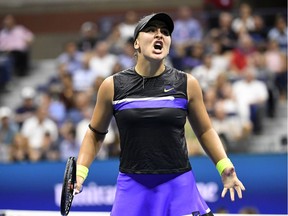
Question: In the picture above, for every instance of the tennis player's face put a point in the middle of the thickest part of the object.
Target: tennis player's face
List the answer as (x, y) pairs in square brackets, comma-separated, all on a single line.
[(154, 40)]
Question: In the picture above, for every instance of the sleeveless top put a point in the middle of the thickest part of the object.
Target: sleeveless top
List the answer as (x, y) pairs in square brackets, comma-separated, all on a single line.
[(150, 114)]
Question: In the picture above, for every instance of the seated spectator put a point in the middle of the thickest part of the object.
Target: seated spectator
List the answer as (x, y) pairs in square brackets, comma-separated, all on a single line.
[(210, 99), (8, 130), (83, 77), (82, 103), (89, 37), (102, 62), (27, 107), (206, 74), (220, 59), (279, 33), (244, 22), (115, 42), (127, 26), (71, 57), (244, 55), (193, 58), (127, 59), (276, 63), (38, 129), (227, 112), (251, 95), (6, 72), (50, 148), (15, 40), (260, 33), (68, 146), (55, 106), (20, 149), (187, 31), (223, 32)]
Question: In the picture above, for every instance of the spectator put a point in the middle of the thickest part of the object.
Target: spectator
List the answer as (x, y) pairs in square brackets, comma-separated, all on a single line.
[(224, 32), (260, 33), (71, 57), (210, 99), (81, 105), (244, 22), (127, 26), (84, 77), (229, 126), (251, 95), (27, 108), (6, 72), (279, 33), (16, 40), (244, 55), (115, 42), (193, 58), (276, 63), (20, 149), (88, 37), (102, 62), (220, 58), (55, 106), (127, 58), (8, 129), (38, 129), (69, 146), (213, 8), (187, 31), (206, 74)]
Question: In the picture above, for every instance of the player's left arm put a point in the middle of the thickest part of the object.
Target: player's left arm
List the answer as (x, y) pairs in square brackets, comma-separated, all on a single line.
[(209, 139)]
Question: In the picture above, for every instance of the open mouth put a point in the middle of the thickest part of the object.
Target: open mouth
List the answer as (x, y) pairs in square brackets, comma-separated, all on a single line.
[(158, 45)]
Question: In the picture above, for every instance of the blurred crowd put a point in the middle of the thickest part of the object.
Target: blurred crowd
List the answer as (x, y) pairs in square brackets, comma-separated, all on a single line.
[(240, 63)]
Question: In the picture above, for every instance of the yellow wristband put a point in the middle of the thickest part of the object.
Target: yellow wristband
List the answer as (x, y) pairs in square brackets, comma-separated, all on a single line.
[(82, 171), (223, 164)]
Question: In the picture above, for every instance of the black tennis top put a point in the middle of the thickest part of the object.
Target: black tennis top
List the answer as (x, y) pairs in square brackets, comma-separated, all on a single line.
[(151, 114)]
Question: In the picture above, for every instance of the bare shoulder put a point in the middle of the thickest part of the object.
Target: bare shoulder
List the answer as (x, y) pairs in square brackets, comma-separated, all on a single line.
[(106, 89), (193, 87)]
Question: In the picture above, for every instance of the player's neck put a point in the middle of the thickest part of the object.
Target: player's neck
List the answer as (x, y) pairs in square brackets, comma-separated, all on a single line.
[(149, 69)]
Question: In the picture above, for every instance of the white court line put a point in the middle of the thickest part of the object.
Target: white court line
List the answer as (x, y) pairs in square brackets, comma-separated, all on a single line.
[(57, 213)]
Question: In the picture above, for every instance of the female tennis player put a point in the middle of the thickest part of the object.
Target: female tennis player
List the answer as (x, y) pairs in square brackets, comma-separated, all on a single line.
[(151, 103)]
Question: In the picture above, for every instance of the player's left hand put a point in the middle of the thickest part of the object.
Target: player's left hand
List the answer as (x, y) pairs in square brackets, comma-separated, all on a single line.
[(231, 183)]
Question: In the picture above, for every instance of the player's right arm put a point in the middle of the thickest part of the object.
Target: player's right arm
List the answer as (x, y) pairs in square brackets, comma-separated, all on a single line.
[(95, 133)]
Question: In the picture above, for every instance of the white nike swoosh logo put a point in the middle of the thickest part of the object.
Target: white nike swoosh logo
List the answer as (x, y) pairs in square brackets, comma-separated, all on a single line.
[(167, 90)]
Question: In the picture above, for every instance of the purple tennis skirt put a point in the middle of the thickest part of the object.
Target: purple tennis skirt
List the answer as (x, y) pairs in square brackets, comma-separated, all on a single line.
[(158, 195)]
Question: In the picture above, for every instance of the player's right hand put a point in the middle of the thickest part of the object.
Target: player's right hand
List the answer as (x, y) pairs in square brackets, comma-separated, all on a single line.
[(78, 188)]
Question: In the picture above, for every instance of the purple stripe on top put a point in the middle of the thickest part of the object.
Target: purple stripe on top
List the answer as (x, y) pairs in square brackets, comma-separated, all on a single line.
[(180, 103)]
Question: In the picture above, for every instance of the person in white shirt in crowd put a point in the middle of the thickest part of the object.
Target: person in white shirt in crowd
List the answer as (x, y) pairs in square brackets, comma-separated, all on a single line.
[(244, 22), (206, 74), (127, 26), (251, 96), (37, 128), (102, 62)]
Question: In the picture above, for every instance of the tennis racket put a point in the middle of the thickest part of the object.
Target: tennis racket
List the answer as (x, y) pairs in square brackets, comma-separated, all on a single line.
[(68, 186)]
